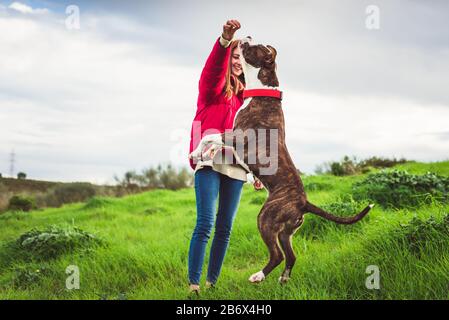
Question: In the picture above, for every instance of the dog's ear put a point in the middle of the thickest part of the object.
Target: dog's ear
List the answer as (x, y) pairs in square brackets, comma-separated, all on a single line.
[(271, 56), (273, 51)]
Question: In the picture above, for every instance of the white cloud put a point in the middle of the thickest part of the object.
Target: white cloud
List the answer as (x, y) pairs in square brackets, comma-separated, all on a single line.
[(76, 106), (323, 128), (25, 9)]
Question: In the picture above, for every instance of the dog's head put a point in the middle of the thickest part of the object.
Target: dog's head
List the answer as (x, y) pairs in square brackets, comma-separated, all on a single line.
[(258, 63)]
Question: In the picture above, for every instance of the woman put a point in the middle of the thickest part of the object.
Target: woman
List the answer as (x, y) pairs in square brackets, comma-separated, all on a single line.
[(220, 96)]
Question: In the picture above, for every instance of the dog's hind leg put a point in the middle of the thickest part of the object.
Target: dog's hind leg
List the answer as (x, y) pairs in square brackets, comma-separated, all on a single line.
[(285, 239), (276, 256), (270, 237)]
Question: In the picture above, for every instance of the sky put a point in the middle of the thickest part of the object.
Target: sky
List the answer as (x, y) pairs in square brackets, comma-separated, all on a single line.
[(119, 92)]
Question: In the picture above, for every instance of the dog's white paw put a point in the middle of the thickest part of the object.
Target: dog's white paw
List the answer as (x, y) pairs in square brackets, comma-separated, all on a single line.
[(207, 147), (257, 277), (193, 156), (196, 154)]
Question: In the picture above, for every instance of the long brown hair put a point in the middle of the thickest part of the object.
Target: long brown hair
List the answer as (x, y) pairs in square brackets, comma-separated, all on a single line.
[(234, 85)]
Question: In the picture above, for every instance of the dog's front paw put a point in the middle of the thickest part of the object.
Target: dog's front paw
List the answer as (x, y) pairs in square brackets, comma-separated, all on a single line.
[(257, 277), (196, 154), (193, 156)]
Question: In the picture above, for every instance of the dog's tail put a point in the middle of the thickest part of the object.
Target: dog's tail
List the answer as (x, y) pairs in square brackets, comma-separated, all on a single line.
[(341, 220)]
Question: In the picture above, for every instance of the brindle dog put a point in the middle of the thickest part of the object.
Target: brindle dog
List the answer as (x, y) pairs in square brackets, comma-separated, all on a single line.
[(283, 212)]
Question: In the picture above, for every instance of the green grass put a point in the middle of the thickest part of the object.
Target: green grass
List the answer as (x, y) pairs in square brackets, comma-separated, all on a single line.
[(147, 238), (441, 167)]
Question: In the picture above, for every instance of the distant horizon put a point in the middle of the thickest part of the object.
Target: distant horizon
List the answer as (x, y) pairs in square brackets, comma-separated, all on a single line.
[(112, 182)]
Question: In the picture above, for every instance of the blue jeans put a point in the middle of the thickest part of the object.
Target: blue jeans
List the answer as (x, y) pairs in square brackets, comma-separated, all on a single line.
[(208, 185)]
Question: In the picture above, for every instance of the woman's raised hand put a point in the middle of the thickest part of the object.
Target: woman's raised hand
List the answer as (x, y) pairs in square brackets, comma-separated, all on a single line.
[(229, 28)]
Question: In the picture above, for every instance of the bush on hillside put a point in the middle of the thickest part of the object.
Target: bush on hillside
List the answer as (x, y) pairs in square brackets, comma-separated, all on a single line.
[(173, 179), (378, 162), (98, 202), (26, 277), (317, 186), (421, 232), (76, 192), (54, 241), (21, 176), (68, 193), (21, 203), (162, 177), (350, 166), (400, 189)]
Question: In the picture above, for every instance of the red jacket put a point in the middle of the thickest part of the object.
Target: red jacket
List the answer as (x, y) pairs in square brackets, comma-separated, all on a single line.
[(214, 111)]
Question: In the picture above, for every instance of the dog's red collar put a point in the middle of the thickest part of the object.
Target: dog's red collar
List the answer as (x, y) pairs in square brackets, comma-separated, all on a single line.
[(262, 93)]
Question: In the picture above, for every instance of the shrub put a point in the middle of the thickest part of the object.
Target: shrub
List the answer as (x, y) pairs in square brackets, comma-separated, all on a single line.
[(55, 240), (420, 232), (26, 277), (348, 208), (98, 202), (21, 175), (317, 186), (173, 179), (79, 192), (47, 200), (350, 166), (399, 189), (346, 167), (69, 193), (377, 162), (163, 177), (21, 203)]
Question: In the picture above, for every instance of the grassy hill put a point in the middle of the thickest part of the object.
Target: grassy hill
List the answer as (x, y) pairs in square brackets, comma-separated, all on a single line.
[(44, 191), (145, 240)]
